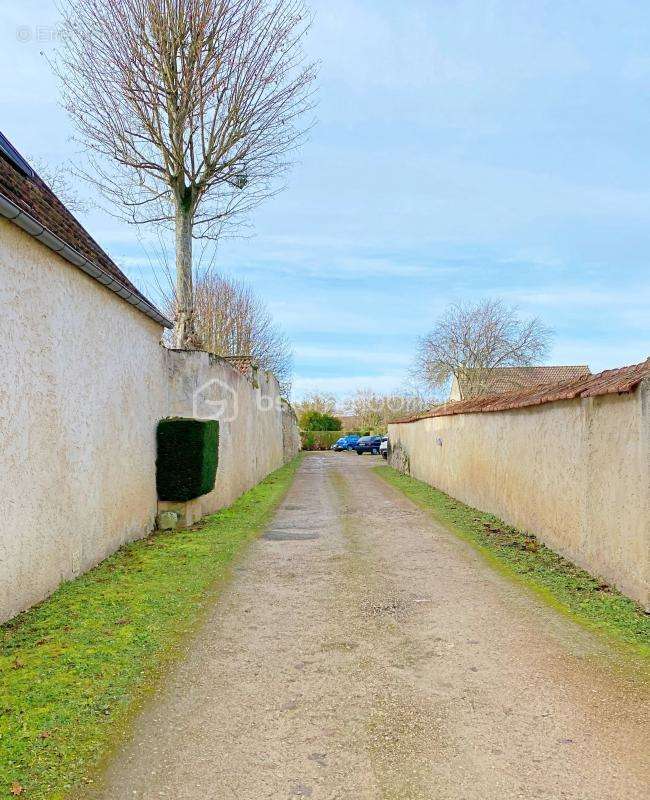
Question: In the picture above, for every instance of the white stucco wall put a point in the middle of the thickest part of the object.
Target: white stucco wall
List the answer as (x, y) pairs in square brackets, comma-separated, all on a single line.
[(251, 422), (290, 431), (574, 473), (84, 383)]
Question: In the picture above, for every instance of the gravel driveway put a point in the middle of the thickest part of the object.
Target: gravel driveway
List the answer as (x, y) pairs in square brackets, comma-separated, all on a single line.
[(362, 652)]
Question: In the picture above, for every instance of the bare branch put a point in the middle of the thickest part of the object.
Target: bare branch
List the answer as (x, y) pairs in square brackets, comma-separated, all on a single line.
[(374, 411), (58, 177), (471, 339), (192, 109), (230, 320), (320, 403)]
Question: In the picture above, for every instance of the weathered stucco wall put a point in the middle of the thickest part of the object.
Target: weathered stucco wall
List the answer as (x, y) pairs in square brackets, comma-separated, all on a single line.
[(84, 383), (290, 432), (251, 423), (575, 473)]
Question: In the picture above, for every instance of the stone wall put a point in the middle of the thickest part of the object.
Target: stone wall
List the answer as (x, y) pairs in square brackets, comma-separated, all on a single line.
[(575, 473), (85, 382)]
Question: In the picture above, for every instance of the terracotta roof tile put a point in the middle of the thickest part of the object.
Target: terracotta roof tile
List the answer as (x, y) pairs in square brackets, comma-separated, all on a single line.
[(506, 379), (243, 364), (611, 381)]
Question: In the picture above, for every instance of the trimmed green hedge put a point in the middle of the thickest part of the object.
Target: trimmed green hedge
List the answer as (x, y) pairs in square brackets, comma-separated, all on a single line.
[(187, 455)]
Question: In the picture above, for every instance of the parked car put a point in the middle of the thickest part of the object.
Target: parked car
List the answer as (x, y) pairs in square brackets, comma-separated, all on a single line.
[(383, 447), (348, 442), (368, 444)]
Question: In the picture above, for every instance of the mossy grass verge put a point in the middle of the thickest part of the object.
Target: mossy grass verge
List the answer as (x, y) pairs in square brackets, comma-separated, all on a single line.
[(586, 598), (74, 669)]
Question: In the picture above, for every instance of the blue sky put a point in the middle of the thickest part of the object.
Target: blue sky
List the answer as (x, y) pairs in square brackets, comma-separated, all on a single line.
[(464, 148)]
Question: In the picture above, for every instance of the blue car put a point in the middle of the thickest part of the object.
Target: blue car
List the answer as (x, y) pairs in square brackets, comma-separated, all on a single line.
[(346, 443)]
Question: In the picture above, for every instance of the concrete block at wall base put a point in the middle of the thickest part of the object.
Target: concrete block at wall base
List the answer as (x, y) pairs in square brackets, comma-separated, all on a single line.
[(189, 512), (167, 521)]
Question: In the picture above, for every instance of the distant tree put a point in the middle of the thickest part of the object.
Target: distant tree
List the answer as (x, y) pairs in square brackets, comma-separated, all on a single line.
[(374, 411), (366, 407), (230, 320), (315, 421), (193, 108), (472, 338), (323, 403)]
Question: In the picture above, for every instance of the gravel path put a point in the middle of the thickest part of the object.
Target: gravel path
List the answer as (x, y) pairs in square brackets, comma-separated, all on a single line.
[(361, 652)]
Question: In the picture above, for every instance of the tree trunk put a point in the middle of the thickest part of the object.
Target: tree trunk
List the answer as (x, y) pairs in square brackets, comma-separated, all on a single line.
[(184, 333)]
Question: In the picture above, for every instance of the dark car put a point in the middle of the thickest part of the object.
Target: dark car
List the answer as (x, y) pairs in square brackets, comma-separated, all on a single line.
[(368, 444), (346, 443)]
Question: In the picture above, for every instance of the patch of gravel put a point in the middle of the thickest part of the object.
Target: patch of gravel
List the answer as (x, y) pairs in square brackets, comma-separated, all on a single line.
[(383, 660)]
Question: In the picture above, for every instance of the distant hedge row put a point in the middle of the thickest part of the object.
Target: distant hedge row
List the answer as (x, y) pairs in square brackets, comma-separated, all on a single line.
[(186, 460), (319, 440)]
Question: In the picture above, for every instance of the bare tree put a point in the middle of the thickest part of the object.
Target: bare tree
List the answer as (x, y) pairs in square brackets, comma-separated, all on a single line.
[(374, 411), (471, 339), (321, 403), (230, 320), (189, 108)]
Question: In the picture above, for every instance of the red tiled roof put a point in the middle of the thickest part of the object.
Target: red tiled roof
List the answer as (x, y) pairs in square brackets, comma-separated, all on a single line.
[(243, 364), (612, 381), (31, 195), (507, 379)]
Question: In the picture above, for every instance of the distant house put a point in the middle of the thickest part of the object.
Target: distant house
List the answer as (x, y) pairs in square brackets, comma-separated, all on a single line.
[(349, 422), (478, 383)]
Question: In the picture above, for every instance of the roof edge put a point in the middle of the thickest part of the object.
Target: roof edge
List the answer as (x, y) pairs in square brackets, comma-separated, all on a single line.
[(524, 367), (12, 212), (624, 380)]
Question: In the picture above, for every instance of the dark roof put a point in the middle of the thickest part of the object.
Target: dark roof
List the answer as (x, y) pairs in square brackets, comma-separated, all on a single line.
[(27, 200), (612, 381), (506, 379)]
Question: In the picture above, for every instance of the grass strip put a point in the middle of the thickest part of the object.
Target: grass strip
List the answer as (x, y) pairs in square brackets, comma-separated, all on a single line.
[(587, 599), (74, 669)]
